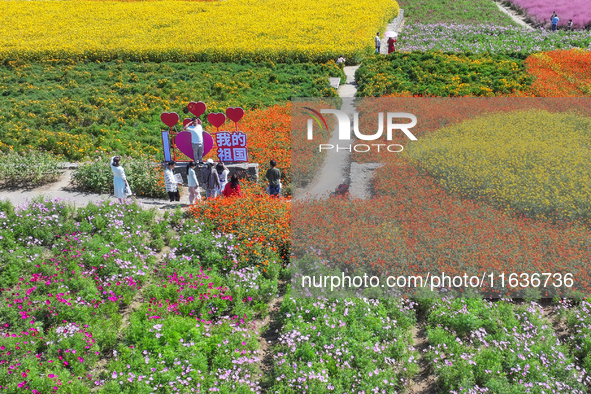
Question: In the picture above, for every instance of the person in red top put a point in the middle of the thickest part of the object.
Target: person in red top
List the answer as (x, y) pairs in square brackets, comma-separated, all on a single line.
[(232, 188), (391, 42), (342, 190)]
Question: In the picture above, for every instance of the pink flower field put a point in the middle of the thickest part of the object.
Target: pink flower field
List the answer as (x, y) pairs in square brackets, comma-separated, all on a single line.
[(540, 11)]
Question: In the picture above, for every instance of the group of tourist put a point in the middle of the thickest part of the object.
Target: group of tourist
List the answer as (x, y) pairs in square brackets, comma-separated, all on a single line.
[(215, 181), (554, 20), (378, 43)]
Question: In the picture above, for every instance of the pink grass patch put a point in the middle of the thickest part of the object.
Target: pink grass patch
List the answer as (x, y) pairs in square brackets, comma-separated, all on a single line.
[(540, 11)]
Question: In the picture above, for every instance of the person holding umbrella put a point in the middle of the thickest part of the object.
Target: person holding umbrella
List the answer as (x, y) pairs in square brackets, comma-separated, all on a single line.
[(391, 40)]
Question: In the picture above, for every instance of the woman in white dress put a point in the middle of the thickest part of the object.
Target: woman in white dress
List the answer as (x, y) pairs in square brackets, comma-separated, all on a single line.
[(120, 184)]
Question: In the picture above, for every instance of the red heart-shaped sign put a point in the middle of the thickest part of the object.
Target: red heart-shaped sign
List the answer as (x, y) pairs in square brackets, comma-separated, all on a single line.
[(197, 109), (187, 121), (235, 114), (169, 119), (217, 119)]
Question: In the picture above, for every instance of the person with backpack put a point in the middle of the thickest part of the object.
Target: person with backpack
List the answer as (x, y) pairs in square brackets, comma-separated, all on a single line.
[(212, 180)]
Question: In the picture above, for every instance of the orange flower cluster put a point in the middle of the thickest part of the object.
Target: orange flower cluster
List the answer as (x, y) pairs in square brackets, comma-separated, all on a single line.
[(269, 137), (261, 223), (562, 73)]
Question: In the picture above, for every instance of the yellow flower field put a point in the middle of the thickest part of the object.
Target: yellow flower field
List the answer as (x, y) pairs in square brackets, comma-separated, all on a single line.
[(231, 30), (507, 160)]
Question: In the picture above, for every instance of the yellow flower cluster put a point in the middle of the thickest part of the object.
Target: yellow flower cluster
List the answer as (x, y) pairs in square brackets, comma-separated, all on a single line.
[(231, 30), (533, 161)]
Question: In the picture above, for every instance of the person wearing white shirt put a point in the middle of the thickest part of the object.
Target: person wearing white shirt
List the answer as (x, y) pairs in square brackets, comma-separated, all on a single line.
[(120, 184), (193, 183), (171, 183), (196, 131), (378, 42), (223, 173)]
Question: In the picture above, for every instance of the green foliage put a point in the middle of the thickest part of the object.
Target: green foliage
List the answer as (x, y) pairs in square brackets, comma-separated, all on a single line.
[(457, 11), (441, 74), (344, 345), (506, 348), (74, 109), (67, 277), (144, 174), (32, 168), (579, 321)]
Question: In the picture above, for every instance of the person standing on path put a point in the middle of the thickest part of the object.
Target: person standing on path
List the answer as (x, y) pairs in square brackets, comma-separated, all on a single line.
[(171, 183), (120, 184), (212, 180), (193, 183), (555, 20), (570, 25), (378, 42), (274, 177), (391, 42), (223, 173), (196, 139)]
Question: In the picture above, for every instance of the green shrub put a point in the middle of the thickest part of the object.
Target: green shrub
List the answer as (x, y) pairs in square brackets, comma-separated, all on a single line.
[(31, 168), (442, 74), (144, 174)]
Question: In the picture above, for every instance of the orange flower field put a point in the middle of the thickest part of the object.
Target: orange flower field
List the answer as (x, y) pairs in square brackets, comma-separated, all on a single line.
[(261, 223), (560, 73)]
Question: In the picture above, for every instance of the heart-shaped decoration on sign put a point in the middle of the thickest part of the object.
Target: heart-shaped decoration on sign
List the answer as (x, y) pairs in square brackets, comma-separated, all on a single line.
[(169, 119), (197, 109), (235, 114), (187, 121), (183, 143), (216, 119)]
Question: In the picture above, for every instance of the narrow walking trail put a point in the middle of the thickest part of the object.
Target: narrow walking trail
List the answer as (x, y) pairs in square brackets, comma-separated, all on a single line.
[(520, 20), (61, 190), (336, 164)]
